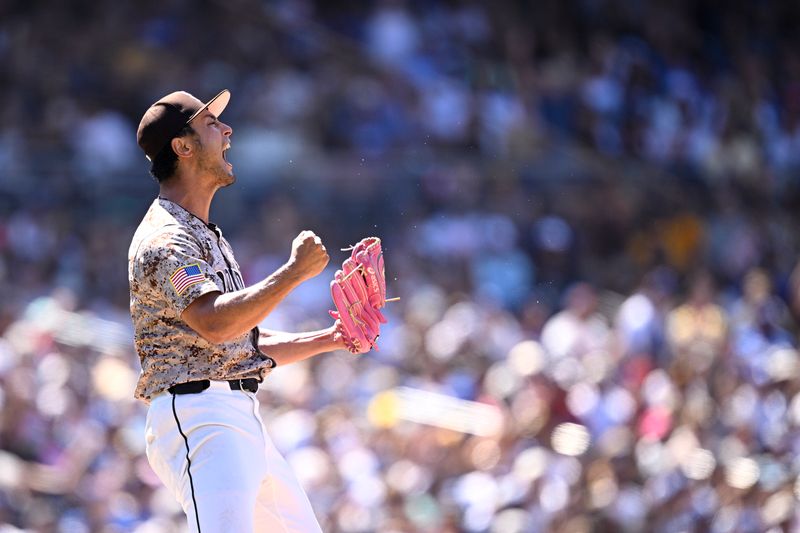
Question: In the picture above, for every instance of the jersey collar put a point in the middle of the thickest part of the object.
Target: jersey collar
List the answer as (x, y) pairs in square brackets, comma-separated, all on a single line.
[(183, 215)]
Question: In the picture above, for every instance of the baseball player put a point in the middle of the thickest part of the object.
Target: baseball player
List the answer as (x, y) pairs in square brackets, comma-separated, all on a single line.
[(197, 336)]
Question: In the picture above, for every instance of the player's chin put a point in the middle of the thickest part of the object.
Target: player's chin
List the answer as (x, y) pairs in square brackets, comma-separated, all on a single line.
[(227, 176), (229, 180)]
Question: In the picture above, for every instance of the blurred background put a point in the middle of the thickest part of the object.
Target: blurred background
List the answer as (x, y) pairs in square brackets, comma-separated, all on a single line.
[(588, 209)]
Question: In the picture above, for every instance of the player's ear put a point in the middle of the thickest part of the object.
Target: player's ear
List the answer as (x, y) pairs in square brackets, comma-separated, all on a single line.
[(182, 146)]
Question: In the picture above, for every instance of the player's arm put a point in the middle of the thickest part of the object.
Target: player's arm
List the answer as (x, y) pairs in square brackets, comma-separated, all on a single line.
[(221, 317), (286, 348)]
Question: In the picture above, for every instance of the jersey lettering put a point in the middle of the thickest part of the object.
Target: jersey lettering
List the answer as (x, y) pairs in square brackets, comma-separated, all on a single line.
[(231, 280)]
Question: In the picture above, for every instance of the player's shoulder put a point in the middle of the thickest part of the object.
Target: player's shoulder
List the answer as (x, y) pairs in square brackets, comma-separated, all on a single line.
[(159, 230)]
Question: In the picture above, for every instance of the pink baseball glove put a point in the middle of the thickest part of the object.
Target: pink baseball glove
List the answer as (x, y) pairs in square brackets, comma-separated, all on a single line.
[(369, 256), (359, 291)]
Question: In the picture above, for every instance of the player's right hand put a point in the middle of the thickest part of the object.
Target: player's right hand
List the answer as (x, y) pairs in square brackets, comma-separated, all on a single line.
[(309, 256)]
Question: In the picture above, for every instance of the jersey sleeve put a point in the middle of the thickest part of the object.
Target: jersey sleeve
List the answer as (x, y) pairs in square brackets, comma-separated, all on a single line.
[(172, 263)]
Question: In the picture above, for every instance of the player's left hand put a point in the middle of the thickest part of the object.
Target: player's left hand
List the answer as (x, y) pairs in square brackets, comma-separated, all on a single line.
[(338, 335)]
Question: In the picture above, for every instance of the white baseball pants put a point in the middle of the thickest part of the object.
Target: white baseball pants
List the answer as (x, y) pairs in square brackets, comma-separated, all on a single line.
[(212, 451)]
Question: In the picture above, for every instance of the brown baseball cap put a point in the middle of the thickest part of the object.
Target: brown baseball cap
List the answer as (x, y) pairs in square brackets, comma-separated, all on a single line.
[(169, 115)]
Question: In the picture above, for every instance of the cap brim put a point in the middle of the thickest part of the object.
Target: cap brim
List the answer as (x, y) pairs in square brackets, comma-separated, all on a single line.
[(215, 106)]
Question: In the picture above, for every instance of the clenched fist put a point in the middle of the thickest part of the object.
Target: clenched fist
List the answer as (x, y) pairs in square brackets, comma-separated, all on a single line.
[(309, 256)]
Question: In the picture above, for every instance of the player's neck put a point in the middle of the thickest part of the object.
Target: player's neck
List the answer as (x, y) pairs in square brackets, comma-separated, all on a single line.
[(196, 202)]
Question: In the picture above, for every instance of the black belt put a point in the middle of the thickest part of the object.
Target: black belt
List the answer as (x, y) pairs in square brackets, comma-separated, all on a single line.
[(193, 387)]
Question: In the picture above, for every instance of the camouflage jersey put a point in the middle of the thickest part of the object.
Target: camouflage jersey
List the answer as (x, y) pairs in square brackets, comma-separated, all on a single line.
[(174, 259)]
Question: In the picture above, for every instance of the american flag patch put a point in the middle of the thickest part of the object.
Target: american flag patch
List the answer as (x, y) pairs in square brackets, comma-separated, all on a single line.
[(185, 277)]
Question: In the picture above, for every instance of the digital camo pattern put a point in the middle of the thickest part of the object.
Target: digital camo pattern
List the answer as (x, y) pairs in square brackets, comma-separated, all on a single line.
[(168, 239)]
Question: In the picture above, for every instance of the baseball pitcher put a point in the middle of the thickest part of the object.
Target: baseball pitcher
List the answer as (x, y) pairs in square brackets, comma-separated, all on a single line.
[(197, 336)]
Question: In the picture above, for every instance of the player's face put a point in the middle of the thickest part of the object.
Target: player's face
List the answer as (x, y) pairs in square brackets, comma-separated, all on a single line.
[(214, 141)]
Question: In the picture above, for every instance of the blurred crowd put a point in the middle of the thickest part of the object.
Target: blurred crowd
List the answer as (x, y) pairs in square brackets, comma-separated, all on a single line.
[(587, 208)]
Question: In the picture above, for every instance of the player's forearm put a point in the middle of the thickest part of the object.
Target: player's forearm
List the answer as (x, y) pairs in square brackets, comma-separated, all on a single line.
[(286, 348), (222, 317)]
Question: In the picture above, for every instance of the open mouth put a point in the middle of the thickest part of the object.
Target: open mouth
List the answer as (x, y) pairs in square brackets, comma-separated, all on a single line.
[(225, 154)]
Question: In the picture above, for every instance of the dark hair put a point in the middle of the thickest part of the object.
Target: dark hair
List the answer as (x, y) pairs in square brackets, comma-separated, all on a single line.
[(166, 161)]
